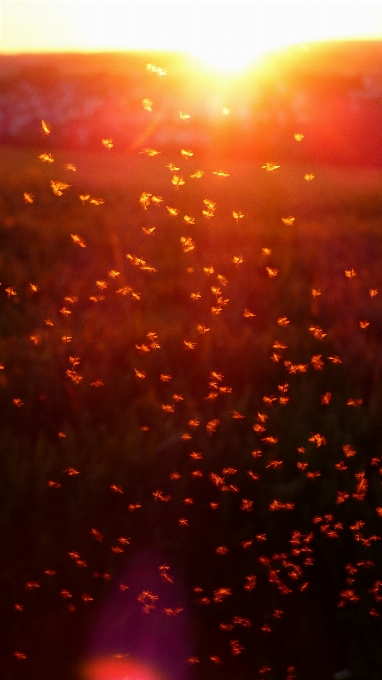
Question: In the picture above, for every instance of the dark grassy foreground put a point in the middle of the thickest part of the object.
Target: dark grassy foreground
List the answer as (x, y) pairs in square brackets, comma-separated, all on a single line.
[(89, 427)]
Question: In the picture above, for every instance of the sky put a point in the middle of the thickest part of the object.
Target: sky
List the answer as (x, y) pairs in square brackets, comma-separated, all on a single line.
[(227, 34)]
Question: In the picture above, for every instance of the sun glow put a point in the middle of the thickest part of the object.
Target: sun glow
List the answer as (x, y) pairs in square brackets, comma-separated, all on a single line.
[(225, 35)]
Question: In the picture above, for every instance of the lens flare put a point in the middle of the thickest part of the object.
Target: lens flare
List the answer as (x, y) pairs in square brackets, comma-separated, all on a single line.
[(106, 668)]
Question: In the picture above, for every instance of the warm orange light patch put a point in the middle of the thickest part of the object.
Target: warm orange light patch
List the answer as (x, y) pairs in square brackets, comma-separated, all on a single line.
[(118, 667)]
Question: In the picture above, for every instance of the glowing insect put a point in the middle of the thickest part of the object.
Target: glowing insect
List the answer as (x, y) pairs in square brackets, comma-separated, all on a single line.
[(97, 535), (108, 143), (133, 506), (66, 594), (221, 550), (278, 505), (270, 167), (46, 158), (318, 440), (149, 231), (46, 128), (77, 239), (10, 291), (298, 136), (211, 205), (335, 359), (237, 215), (354, 402), (123, 540), (237, 259), (188, 344), (317, 332), (237, 416), (212, 425), (150, 152), (316, 362), (172, 211), (155, 69), (221, 593), (309, 176), (288, 221), (156, 200), (207, 214), (186, 154), (168, 408), (147, 104), (236, 647), (71, 471), (274, 464), (187, 244), (246, 505), (58, 187), (177, 181), (250, 581)]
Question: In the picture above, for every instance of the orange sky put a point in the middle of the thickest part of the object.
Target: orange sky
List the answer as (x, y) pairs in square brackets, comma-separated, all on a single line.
[(224, 34)]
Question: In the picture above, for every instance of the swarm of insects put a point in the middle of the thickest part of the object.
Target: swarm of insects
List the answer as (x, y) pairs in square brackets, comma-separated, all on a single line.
[(178, 425)]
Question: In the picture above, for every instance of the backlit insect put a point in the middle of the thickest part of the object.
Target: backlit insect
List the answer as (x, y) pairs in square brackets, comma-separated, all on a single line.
[(46, 128), (147, 104), (59, 187), (270, 167)]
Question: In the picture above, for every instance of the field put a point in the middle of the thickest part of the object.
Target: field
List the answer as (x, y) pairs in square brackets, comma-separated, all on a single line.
[(190, 411)]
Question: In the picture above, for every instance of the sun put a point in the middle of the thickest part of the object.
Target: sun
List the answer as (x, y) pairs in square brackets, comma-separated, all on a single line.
[(225, 35), (231, 59), (229, 36)]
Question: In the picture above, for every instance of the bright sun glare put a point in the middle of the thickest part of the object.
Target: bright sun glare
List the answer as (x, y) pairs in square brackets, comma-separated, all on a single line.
[(225, 35)]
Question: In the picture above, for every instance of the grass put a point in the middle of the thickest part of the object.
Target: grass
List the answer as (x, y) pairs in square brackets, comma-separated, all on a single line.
[(337, 228)]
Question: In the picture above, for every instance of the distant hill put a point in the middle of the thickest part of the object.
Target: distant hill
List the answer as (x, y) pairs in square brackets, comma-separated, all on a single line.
[(330, 92)]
